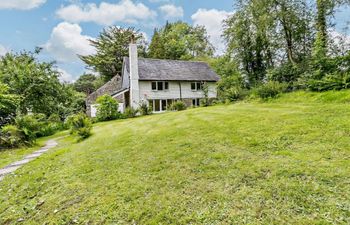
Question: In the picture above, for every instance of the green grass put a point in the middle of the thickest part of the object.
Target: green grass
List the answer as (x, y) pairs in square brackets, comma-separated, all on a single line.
[(247, 163), (9, 156)]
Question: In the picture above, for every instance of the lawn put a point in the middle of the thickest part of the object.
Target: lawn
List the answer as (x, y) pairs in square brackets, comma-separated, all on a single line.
[(247, 163)]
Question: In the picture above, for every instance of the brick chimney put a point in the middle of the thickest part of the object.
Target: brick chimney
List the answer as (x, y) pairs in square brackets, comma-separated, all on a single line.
[(134, 74)]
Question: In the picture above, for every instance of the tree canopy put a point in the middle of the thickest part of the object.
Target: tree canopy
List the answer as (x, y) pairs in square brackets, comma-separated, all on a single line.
[(112, 45), (180, 40)]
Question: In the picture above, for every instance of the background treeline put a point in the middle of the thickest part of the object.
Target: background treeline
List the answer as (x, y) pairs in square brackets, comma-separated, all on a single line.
[(273, 46)]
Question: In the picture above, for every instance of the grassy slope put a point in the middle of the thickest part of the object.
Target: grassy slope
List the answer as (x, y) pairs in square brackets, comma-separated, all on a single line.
[(244, 163)]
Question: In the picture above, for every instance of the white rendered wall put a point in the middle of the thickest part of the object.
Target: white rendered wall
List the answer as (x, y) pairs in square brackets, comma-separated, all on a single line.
[(174, 91)]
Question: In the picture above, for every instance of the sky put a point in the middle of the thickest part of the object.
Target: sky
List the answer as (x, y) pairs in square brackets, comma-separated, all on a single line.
[(62, 27)]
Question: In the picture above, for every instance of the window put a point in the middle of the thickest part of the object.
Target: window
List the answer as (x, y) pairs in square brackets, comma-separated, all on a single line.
[(196, 102), (196, 86), (157, 105), (154, 86), (199, 86), (160, 105), (160, 85), (163, 105), (193, 86)]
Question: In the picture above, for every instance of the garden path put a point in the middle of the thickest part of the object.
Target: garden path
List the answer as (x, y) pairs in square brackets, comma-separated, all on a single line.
[(16, 165)]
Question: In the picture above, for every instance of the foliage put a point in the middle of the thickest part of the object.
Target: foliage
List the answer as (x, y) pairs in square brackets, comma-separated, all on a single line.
[(107, 108), (145, 109), (262, 34), (270, 90), (80, 125), (11, 137), (33, 126), (86, 83), (8, 104), (205, 101), (178, 106), (36, 83), (112, 45), (130, 112), (180, 40)]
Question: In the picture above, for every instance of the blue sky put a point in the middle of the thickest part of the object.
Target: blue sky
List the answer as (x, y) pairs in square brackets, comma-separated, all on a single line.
[(62, 27)]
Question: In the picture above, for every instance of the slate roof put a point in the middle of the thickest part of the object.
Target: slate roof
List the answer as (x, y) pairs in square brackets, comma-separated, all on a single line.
[(173, 70)]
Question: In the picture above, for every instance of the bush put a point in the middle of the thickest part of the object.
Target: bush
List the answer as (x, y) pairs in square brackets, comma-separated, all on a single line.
[(145, 109), (231, 89), (178, 106), (130, 112), (270, 90), (80, 125), (11, 137), (31, 126), (107, 108)]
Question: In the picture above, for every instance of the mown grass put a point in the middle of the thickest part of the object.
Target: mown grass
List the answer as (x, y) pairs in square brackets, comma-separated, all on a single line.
[(258, 163)]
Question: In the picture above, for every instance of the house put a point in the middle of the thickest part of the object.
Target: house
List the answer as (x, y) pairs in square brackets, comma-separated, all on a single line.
[(157, 83)]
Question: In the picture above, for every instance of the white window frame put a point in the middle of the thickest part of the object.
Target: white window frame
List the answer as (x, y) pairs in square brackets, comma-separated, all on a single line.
[(157, 88), (198, 86), (161, 104)]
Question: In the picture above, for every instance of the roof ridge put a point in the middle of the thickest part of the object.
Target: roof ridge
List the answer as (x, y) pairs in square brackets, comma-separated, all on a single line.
[(176, 60)]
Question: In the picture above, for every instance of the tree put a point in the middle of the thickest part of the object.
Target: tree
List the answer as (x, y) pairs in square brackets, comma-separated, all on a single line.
[(265, 34), (35, 82), (179, 40), (85, 84), (112, 45), (8, 104), (325, 9), (107, 108)]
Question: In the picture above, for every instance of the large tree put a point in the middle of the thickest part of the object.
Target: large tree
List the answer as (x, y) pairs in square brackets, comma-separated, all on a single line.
[(35, 82), (111, 47), (180, 40), (264, 34)]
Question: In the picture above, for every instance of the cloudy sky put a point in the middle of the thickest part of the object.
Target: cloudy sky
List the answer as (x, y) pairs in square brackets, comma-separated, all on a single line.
[(62, 27)]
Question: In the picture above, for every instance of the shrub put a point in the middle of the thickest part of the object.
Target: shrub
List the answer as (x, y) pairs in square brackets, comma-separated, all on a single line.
[(107, 108), (30, 125), (231, 89), (130, 112), (145, 109), (270, 89), (178, 106), (11, 137), (80, 125)]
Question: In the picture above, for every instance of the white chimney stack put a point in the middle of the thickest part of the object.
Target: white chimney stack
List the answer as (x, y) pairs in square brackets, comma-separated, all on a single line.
[(134, 75)]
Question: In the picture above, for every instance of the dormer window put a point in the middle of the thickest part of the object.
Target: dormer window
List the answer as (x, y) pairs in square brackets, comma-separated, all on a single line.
[(160, 85), (196, 86)]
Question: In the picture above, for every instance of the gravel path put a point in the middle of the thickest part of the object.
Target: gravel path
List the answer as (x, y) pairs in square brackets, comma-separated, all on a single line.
[(14, 166)]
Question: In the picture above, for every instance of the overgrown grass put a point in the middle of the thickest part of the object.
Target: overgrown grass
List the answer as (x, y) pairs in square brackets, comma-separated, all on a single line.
[(257, 163), (316, 97)]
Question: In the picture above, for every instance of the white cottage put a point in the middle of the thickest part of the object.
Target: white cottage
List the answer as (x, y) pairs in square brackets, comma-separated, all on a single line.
[(157, 83)]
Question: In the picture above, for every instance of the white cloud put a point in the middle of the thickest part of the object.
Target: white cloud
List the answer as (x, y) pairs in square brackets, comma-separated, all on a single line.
[(3, 50), (65, 76), (171, 11), (157, 1), (212, 20), (106, 13), (21, 4), (66, 42)]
